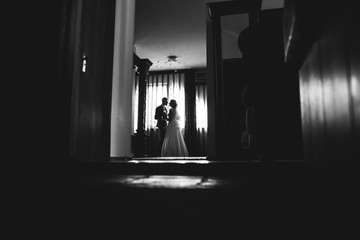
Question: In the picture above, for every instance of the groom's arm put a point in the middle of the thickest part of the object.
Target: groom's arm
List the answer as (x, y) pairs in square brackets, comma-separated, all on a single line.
[(157, 113)]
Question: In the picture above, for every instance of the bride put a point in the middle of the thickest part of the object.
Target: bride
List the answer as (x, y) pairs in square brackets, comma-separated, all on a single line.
[(174, 144)]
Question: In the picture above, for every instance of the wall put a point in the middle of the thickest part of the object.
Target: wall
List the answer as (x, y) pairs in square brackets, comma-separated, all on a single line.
[(36, 117), (330, 88)]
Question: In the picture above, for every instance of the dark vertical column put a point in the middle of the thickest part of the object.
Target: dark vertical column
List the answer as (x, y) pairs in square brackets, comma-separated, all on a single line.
[(144, 67), (219, 96), (190, 128), (72, 62), (210, 76)]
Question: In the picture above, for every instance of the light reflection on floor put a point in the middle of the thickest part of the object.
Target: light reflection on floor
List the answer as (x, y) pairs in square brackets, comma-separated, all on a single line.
[(168, 181), (170, 161), (180, 160)]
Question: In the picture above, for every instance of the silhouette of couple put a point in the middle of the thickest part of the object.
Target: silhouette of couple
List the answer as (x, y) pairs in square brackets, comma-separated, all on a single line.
[(172, 143)]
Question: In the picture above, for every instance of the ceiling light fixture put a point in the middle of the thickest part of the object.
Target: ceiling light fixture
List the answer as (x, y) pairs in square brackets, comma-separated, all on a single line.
[(172, 62)]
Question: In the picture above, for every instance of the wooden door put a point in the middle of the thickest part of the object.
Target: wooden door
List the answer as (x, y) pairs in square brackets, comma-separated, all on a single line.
[(92, 93)]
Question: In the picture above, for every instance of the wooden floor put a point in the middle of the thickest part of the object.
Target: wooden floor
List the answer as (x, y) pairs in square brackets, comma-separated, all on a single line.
[(192, 200), (284, 201)]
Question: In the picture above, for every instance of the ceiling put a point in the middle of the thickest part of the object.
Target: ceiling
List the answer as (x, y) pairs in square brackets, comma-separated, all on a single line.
[(174, 27)]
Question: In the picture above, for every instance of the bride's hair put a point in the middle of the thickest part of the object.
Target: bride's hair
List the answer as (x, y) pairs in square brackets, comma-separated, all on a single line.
[(173, 103)]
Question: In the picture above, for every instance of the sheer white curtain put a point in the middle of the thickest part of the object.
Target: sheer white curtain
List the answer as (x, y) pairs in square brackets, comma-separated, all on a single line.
[(170, 85), (159, 85), (201, 118)]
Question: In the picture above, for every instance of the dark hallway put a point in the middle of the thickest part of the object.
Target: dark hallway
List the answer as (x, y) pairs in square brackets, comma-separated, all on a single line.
[(50, 194)]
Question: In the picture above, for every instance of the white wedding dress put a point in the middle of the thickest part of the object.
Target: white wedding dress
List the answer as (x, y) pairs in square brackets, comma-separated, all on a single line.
[(174, 144)]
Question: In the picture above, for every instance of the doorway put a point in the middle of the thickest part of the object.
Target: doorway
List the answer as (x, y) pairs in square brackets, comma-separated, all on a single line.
[(96, 114)]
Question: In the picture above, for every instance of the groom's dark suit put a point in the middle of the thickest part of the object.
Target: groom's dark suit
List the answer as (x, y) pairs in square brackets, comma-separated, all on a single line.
[(161, 116)]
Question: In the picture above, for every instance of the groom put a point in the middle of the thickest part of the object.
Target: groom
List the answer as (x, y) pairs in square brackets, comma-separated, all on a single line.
[(161, 117)]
